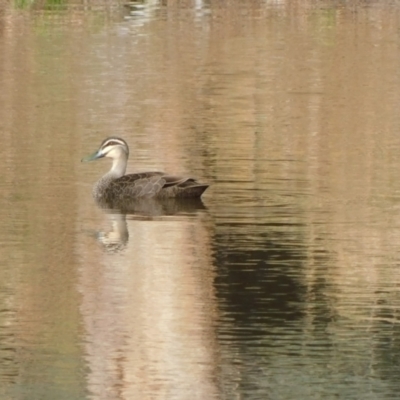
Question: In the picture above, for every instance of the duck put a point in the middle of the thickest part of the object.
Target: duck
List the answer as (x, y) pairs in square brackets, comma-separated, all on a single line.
[(116, 186)]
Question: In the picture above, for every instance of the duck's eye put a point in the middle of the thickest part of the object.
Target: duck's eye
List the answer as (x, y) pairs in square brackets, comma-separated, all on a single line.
[(112, 144)]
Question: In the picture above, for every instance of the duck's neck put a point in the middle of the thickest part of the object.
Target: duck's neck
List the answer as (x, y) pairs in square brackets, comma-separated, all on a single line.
[(117, 170), (118, 167)]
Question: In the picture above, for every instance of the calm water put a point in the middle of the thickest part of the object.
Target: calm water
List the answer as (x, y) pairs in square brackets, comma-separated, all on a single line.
[(283, 283)]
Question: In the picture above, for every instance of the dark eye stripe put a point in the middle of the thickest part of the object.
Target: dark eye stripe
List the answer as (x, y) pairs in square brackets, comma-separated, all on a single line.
[(112, 143)]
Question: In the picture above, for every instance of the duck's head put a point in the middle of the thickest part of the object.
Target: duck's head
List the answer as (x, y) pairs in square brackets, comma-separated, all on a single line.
[(112, 147)]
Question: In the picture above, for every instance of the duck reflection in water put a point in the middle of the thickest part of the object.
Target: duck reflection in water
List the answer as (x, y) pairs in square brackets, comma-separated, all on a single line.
[(117, 238)]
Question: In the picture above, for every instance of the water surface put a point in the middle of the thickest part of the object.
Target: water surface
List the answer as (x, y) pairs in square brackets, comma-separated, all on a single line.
[(283, 282)]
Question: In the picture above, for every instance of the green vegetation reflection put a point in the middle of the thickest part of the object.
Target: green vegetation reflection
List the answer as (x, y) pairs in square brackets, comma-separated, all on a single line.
[(40, 4)]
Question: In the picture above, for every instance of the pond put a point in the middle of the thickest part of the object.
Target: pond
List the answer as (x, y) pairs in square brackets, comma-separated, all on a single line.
[(283, 281)]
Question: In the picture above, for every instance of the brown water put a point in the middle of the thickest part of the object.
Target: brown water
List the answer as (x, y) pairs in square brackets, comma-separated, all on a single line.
[(284, 283)]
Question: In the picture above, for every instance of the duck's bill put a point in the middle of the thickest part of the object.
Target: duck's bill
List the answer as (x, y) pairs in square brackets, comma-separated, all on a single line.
[(92, 157)]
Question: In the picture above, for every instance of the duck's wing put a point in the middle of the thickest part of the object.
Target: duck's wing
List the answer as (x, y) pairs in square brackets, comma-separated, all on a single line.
[(150, 184), (176, 180), (177, 186), (143, 184)]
